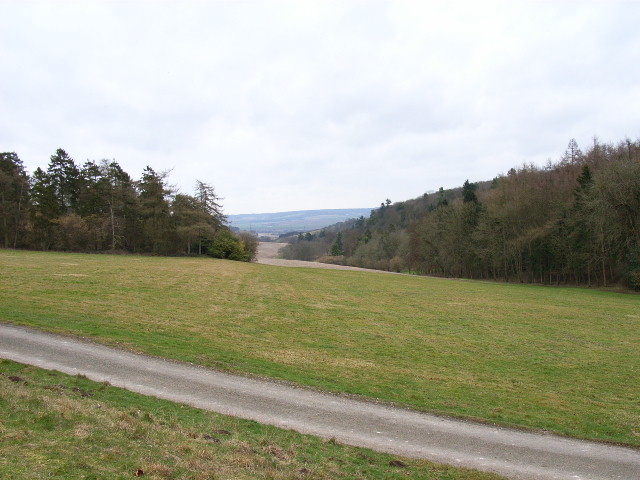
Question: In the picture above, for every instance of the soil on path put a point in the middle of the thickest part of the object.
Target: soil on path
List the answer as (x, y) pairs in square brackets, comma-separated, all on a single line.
[(515, 454), (268, 255)]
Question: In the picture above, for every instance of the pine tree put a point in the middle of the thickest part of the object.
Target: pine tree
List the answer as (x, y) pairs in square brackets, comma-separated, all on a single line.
[(154, 211), (469, 192), (65, 181), (14, 197), (45, 208), (337, 249)]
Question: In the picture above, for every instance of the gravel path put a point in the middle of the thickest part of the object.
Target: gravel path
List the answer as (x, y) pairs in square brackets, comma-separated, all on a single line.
[(515, 454)]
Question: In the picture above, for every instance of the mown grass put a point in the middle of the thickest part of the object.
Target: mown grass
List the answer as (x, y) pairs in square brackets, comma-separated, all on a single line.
[(56, 426), (561, 359)]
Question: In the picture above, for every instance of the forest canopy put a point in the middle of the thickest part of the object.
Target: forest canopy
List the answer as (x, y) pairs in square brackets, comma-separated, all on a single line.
[(575, 221), (98, 207)]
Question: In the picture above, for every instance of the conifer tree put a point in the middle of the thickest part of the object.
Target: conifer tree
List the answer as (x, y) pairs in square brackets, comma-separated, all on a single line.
[(14, 196)]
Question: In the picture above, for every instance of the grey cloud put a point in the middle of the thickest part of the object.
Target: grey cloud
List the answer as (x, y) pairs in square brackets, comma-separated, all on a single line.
[(316, 104)]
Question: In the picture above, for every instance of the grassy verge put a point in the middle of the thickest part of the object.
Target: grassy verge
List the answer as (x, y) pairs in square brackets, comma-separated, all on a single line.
[(560, 359), (56, 426)]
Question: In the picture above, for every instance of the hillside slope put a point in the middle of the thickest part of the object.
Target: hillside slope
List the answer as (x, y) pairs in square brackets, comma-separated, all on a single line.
[(573, 222)]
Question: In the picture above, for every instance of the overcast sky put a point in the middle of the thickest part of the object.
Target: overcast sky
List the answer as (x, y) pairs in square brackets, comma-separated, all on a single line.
[(308, 105)]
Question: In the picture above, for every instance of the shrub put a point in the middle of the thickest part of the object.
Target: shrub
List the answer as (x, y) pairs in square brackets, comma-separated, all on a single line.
[(227, 245)]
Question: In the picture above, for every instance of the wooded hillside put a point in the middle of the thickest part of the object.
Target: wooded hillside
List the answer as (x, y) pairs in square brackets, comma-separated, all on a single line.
[(575, 221), (99, 207)]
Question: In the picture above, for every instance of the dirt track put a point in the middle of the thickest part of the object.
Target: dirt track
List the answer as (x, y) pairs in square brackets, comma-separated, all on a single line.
[(268, 252)]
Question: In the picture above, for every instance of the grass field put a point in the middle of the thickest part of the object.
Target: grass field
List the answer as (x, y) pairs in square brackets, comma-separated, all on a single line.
[(561, 359), (55, 426)]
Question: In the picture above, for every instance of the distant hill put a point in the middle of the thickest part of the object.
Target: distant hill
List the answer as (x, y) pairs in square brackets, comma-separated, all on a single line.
[(303, 220)]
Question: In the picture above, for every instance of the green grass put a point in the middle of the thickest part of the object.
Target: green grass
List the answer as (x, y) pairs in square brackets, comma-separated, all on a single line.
[(55, 426), (561, 359)]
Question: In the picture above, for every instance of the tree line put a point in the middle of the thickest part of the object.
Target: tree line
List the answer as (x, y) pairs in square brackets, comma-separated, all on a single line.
[(98, 207), (575, 221)]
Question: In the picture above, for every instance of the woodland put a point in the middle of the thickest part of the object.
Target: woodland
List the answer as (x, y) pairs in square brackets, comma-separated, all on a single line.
[(98, 207), (575, 221)]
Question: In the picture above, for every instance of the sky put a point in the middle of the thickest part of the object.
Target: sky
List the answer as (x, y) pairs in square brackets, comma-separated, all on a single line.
[(295, 105)]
